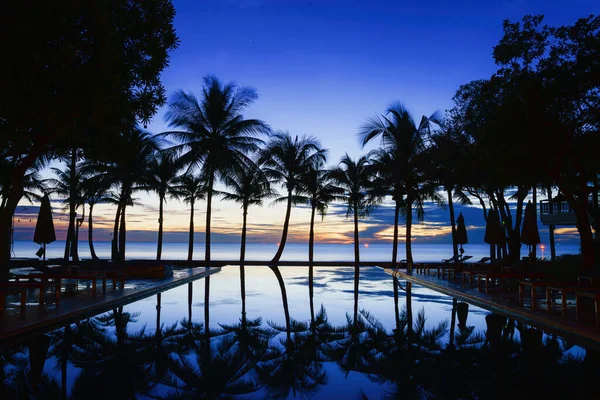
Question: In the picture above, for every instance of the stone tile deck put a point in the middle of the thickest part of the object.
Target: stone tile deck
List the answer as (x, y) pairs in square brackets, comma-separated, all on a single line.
[(15, 326), (506, 303)]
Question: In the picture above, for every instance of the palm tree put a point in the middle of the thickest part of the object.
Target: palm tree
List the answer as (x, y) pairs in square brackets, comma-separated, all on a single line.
[(389, 182), (286, 160), (163, 169), (32, 186), (72, 196), (213, 133), (406, 141), (95, 190), (355, 177), (317, 185), (448, 163), (189, 188), (127, 167), (248, 186)]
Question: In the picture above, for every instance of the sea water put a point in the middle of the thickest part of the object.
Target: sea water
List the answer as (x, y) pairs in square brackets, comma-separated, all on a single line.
[(265, 252)]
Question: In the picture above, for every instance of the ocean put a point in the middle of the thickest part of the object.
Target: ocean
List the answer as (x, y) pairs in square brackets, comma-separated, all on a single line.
[(265, 252)]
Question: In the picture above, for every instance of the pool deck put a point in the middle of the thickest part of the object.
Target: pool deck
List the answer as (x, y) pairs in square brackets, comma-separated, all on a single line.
[(16, 326), (506, 303)]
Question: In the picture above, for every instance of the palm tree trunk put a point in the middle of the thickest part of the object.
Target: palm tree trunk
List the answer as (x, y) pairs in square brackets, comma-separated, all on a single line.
[(207, 308), (72, 206), (160, 226), (452, 223), (356, 264), (158, 307), (90, 230), (395, 241), (243, 240), (284, 299), (551, 227), (122, 233), (396, 309), (242, 268), (356, 239), (68, 243), (452, 322), (190, 298), (115, 246), (311, 236), (208, 214), (191, 234), (311, 243), (409, 313), (286, 223), (409, 257), (243, 290), (534, 197)]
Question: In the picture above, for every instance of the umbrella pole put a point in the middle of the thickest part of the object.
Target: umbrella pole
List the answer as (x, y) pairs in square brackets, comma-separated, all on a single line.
[(44, 252)]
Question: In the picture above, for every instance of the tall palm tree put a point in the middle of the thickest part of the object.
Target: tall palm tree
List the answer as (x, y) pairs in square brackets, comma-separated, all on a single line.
[(286, 160), (406, 141), (248, 186), (33, 185), (213, 133), (389, 182), (318, 186), (95, 190), (72, 196), (356, 178), (163, 172), (127, 168), (189, 188), (449, 162)]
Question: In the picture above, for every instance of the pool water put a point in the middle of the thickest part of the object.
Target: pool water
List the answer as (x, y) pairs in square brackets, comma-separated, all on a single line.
[(281, 342)]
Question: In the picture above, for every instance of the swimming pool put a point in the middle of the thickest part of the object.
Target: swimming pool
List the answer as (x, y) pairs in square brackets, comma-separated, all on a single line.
[(281, 342)]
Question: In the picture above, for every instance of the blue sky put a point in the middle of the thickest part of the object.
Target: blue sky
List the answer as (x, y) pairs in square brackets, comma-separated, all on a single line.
[(321, 68)]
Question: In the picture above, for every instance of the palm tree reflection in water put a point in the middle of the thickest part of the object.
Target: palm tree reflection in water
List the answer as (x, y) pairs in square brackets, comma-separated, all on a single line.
[(415, 359)]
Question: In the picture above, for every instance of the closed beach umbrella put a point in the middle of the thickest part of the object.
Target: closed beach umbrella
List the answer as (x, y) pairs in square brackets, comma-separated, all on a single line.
[(530, 235), (44, 228), (493, 230), (461, 232)]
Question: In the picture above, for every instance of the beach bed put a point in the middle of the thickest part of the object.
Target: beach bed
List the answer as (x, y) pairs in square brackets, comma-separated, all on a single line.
[(72, 277)]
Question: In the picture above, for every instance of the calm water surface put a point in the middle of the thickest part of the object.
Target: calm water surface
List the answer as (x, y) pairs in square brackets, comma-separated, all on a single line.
[(359, 346), (293, 251)]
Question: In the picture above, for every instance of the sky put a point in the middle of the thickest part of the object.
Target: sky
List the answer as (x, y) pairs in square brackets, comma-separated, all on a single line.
[(321, 68)]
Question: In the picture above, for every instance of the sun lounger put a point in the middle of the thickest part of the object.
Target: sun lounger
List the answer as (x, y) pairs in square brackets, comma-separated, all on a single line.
[(488, 277), (530, 285), (442, 268), (72, 278), (564, 288), (42, 286), (115, 275), (7, 291), (590, 293), (451, 260)]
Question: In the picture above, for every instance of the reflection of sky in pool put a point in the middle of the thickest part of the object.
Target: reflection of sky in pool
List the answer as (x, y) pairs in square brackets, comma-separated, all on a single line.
[(333, 288)]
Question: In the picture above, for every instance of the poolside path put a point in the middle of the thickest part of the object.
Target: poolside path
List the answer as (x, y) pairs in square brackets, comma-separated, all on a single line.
[(506, 303), (14, 326)]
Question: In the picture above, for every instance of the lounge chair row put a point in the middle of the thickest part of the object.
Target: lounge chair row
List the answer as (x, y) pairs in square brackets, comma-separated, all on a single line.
[(529, 284), (56, 280)]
